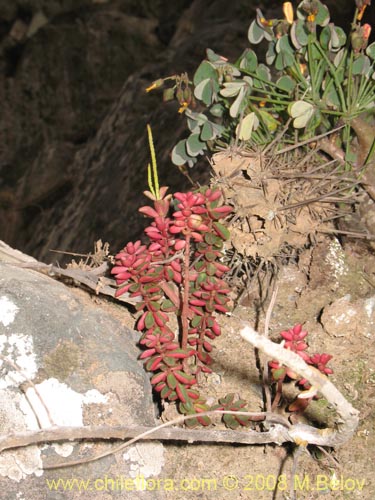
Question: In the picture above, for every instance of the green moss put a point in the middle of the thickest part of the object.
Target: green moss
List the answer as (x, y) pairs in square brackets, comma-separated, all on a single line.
[(62, 361), (319, 411)]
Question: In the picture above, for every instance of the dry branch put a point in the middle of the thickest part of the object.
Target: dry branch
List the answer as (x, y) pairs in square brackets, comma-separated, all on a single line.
[(277, 434), (279, 429), (349, 416)]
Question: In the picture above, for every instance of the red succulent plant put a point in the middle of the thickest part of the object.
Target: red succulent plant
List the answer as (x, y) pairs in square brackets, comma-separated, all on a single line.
[(178, 273)]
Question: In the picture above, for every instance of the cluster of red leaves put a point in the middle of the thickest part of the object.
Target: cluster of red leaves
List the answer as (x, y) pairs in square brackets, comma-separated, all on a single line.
[(178, 273), (294, 339)]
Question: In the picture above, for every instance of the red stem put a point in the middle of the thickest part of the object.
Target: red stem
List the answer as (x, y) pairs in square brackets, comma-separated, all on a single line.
[(185, 298), (201, 336), (279, 391)]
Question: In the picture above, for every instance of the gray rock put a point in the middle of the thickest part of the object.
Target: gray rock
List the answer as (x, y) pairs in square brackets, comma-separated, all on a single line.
[(84, 364)]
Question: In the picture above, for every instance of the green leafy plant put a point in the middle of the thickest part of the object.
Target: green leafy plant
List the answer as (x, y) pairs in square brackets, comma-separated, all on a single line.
[(314, 78)]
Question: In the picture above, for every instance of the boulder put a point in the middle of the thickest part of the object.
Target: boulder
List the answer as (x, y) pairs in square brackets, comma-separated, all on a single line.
[(67, 361)]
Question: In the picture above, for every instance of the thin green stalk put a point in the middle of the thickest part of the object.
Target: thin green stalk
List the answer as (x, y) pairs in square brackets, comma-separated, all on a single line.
[(152, 170), (334, 75), (366, 93), (350, 83), (257, 77), (301, 79), (370, 153), (311, 68), (320, 70), (273, 101)]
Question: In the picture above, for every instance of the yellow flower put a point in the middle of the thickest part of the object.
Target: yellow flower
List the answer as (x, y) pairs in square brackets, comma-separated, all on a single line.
[(156, 84), (266, 23), (311, 18), (303, 68), (288, 12), (151, 87), (183, 107), (361, 12)]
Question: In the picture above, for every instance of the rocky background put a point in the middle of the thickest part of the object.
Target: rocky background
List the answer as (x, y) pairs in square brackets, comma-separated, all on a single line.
[(73, 144)]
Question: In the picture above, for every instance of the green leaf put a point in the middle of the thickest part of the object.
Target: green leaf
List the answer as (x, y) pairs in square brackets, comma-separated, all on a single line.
[(370, 51), (179, 155), (246, 126), (299, 34), (204, 92), (218, 243), (186, 408), (196, 321), (200, 118), (230, 421), (255, 33), (205, 421), (201, 278), (207, 132), (284, 60), (218, 129), (134, 287), (338, 57), (231, 89), (205, 71), (332, 98), (183, 395), (194, 125), (192, 422), (271, 53), (210, 256), (170, 361), (171, 381), (249, 60), (332, 38), (194, 145), (227, 399), (361, 65), (283, 45), (314, 121), (155, 305), (236, 106), (212, 56), (164, 393), (325, 37), (286, 83), (340, 38), (167, 305), (209, 238), (211, 271), (264, 74), (278, 373), (149, 320), (217, 110), (322, 16), (302, 112), (285, 57), (221, 230), (200, 264)]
